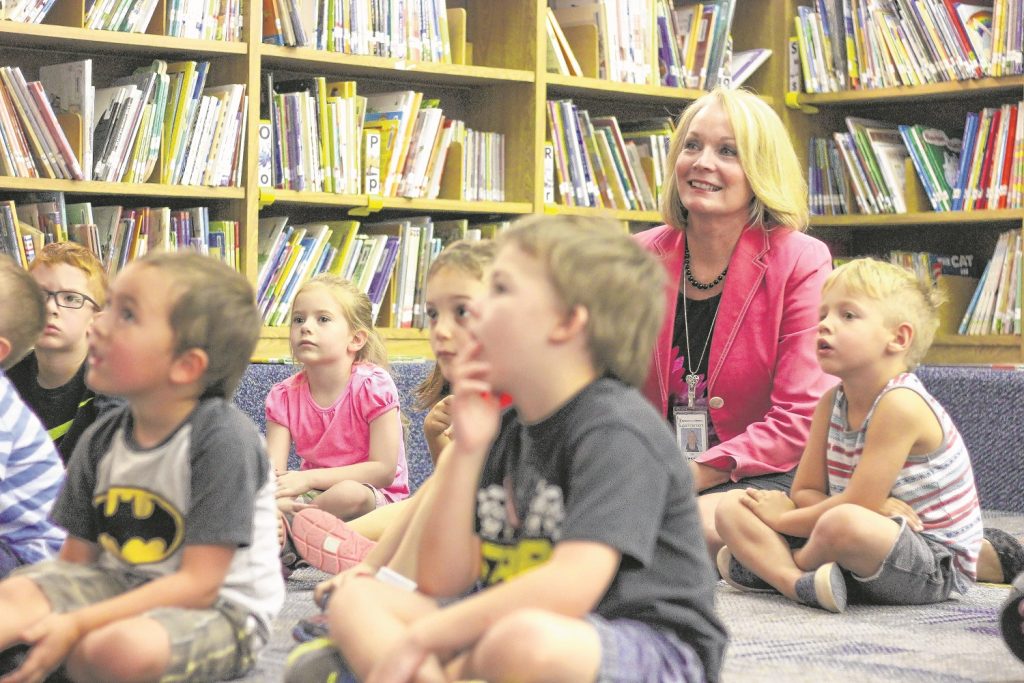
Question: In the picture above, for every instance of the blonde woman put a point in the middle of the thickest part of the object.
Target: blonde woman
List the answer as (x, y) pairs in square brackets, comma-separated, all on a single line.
[(735, 355)]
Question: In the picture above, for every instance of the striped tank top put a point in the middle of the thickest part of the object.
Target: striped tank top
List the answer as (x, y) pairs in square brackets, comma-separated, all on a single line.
[(939, 486)]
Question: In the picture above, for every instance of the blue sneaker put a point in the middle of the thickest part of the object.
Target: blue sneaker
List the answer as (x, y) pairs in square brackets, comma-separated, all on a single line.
[(824, 588), (738, 576)]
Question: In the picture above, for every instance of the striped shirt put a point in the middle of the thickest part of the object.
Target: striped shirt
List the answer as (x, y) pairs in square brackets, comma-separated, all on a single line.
[(31, 475), (939, 486)]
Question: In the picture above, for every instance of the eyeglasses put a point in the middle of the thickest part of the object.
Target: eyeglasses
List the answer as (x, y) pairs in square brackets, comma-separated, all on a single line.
[(66, 299)]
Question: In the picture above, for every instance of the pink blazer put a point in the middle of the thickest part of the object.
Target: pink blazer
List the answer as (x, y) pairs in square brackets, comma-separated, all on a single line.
[(764, 378)]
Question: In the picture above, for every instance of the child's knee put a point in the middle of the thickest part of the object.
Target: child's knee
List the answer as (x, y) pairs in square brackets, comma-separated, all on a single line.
[(517, 644), (838, 527), (730, 508), (120, 652)]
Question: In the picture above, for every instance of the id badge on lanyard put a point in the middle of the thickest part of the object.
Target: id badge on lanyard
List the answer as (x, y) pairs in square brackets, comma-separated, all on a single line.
[(691, 430)]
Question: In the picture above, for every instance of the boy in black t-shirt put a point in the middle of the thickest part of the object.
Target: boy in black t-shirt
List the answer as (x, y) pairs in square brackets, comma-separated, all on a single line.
[(574, 508), (51, 379)]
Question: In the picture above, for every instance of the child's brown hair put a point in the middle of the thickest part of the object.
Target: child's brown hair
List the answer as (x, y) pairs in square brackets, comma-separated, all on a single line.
[(214, 310), (22, 312), (593, 263)]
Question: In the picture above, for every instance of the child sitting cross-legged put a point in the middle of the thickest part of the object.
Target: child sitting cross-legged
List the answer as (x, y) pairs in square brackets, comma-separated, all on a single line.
[(169, 570), (883, 508), (340, 411), (573, 508)]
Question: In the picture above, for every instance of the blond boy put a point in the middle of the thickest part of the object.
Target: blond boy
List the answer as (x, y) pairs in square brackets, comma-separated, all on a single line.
[(31, 473), (169, 571), (883, 506), (573, 509), (51, 378)]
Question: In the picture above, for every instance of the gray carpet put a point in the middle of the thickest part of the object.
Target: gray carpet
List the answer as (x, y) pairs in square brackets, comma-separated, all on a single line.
[(773, 639)]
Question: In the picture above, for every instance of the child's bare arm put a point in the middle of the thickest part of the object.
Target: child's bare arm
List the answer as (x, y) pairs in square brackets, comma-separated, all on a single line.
[(810, 483), (279, 443), (79, 551), (436, 427), (902, 423), (196, 584)]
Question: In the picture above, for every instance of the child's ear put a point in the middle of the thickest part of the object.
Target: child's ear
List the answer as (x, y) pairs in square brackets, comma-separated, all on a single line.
[(358, 341), (5, 349), (902, 337), (189, 366), (574, 324)]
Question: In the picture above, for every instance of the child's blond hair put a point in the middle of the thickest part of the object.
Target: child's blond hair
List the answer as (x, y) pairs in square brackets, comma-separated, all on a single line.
[(470, 258), (77, 256), (358, 312), (903, 295), (765, 153), (214, 310), (22, 311), (593, 263)]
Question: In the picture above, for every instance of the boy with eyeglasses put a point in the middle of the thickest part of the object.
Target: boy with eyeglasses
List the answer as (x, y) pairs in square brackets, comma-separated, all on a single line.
[(51, 379), (30, 470)]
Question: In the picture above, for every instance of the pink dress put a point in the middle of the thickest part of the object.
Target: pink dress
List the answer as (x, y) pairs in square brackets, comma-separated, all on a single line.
[(339, 434)]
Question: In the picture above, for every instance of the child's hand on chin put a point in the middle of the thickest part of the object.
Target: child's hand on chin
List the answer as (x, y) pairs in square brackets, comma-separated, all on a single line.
[(475, 409)]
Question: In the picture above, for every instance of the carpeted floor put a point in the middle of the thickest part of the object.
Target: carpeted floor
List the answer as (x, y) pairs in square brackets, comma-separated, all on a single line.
[(773, 639)]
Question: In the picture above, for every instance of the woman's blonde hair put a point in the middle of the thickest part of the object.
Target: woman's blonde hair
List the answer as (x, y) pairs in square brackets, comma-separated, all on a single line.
[(903, 295), (766, 155), (358, 312), (470, 258)]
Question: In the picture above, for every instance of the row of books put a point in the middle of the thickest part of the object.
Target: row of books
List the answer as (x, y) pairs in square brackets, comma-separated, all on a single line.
[(62, 126), (995, 307), (625, 37), (416, 30), (862, 170), (695, 47), (323, 137), (374, 256), (862, 44), (116, 235), (594, 163), (203, 19)]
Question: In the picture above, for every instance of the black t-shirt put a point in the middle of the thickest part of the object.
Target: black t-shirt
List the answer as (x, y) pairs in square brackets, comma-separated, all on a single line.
[(65, 411), (604, 468)]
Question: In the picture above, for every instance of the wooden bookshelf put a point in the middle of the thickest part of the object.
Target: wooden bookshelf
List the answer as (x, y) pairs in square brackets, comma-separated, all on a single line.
[(503, 88), (944, 106)]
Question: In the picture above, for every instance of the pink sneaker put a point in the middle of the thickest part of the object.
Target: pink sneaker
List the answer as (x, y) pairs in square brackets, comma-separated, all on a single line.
[(326, 542)]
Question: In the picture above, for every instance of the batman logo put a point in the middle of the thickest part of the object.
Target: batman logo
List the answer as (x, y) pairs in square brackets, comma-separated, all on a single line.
[(137, 526)]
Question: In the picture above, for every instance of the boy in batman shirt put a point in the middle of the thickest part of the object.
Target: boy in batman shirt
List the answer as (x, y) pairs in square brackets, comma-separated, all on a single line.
[(169, 571)]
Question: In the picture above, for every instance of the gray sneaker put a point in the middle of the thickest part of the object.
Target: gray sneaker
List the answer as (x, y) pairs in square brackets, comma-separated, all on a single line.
[(738, 576), (824, 588)]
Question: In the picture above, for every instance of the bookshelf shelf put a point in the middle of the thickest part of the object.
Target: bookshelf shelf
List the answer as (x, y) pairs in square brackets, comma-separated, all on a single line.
[(952, 90), (579, 86), (900, 220), (401, 342), (616, 214), (333, 63), (82, 40), (456, 206), (291, 197), (93, 187)]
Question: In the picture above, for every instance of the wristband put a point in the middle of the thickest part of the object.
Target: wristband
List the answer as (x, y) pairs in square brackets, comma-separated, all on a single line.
[(392, 578)]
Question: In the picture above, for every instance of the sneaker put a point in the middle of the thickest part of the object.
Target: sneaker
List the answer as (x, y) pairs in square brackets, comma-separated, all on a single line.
[(1011, 619), (738, 576), (315, 661), (824, 588), (311, 628), (326, 542), (1009, 550)]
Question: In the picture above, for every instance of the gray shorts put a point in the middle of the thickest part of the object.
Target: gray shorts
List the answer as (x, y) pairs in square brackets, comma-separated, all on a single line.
[(635, 652), (777, 481), (917, 571), (212, 644)]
